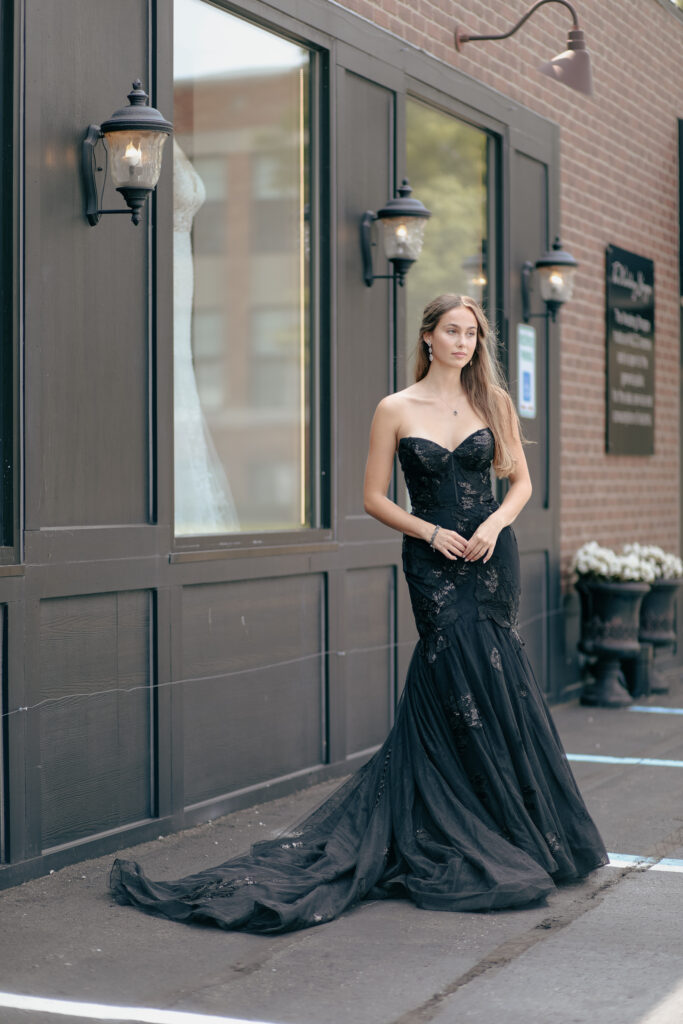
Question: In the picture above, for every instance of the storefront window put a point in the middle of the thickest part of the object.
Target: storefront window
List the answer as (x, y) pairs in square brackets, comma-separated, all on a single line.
[(447, 163), (241, 275)]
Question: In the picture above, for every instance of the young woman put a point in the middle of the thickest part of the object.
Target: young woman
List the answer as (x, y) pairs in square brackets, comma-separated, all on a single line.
[(470, 804)]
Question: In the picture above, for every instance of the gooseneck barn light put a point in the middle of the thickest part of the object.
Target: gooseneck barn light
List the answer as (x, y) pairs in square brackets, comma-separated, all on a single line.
[(402, 222), (134, 138), (572, 67), (555, 270)]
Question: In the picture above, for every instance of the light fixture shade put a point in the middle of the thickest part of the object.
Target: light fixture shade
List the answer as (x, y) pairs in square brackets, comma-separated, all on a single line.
[(402, 238), (556, 271), (573, 66), (135, 157), (556, 284)]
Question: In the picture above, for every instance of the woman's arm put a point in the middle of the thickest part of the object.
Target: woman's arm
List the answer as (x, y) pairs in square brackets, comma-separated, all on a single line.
[(483, 540), (378, 470)]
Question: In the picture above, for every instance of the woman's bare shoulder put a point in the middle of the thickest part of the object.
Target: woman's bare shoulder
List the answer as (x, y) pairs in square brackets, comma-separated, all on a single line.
[(396, 402), (400, 399)]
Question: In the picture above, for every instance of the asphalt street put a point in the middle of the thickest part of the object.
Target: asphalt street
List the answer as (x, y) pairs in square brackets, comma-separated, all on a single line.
[(608, 950)]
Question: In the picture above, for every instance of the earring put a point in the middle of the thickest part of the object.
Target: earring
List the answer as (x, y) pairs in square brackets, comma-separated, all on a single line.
[(429, 346)]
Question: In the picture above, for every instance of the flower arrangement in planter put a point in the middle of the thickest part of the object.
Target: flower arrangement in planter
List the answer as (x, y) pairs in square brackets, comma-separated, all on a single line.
[(594, 563), (657, 612), (626, 601), (666, 566)]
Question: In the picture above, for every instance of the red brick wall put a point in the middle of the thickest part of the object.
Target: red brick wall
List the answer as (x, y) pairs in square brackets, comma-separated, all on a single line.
[(619, 185)]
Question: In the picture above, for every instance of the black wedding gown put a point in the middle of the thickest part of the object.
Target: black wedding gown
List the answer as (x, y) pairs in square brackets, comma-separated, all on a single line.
[(470, 804)]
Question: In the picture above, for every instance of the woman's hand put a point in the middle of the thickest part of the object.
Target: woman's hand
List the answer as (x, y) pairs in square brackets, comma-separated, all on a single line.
[(483, 540), (449, 543)]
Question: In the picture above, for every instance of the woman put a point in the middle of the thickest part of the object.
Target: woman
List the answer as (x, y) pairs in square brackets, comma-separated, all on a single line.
[(470, 804)]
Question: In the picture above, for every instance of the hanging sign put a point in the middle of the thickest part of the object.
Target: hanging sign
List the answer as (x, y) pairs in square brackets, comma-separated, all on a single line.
[(630, 298), (526, 371)]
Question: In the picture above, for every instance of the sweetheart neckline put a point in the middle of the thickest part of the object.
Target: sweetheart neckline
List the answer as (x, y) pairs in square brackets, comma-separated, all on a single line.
[(452, 451)]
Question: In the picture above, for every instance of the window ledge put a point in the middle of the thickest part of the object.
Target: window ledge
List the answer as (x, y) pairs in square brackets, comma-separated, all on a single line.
[(210, 555)]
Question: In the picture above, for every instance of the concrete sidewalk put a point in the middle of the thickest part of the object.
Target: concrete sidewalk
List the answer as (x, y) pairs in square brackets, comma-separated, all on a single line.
[(605, 951)]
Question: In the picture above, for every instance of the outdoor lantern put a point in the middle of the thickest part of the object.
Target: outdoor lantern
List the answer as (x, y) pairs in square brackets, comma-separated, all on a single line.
[(401, 224), (556, 270), (572, 67), (134, 137)]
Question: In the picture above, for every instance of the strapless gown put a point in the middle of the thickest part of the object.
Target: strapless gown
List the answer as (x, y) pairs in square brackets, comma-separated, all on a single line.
[(470, 804)]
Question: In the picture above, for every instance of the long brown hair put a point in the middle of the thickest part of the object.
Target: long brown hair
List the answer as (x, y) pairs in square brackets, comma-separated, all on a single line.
[(482, 378)]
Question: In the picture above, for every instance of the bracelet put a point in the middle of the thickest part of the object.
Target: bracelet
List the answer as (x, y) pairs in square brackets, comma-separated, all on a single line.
[(431, 543)]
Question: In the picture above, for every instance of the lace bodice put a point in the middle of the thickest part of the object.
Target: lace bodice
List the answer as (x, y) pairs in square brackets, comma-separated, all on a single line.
[(453, 488), (439, 478)]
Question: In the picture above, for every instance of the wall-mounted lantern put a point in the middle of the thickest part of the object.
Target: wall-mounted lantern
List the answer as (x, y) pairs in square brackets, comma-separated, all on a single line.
[(572, 67), (401, 222), (134, 138), (555, 270)]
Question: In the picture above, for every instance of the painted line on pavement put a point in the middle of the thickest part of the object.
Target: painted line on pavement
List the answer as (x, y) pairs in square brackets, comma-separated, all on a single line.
[(656, 710), (650, 762), (100, 1011), (624, 860)]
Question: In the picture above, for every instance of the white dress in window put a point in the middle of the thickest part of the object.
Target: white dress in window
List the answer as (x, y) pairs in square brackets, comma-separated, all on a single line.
[(203, 500)]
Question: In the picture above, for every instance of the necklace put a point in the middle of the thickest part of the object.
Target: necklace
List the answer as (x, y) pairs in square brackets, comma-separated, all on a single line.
[(448, 406)]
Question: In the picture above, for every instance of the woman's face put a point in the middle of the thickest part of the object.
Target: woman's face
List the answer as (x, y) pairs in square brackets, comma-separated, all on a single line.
[(454, 338)]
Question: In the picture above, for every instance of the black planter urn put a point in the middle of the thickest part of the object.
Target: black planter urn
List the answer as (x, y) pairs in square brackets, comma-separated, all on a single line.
[(658, 623), (610, 625)]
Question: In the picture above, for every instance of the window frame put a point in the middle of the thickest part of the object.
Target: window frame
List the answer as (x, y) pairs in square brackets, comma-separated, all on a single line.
[(10, 264)]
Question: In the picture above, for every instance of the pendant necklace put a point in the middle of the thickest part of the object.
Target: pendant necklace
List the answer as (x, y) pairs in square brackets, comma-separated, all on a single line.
[(449, 407)]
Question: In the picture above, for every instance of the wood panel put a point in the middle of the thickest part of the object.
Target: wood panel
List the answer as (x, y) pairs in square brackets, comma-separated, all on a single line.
[(529, 242), (87, 366), (369, 661), (365, 350), (533, 199), (253, 682), (93, 704)]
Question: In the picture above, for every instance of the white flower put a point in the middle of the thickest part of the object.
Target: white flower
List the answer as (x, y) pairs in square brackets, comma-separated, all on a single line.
[(636, 563), (666, 566)]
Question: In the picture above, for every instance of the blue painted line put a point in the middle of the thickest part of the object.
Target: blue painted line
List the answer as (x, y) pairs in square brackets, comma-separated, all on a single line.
[(650, 762), (668, 864), (620, 860), (104, 1011), (656, 711)]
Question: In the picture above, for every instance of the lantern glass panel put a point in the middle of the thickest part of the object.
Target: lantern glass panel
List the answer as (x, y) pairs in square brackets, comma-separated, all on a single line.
[(402, 237), (556, 283), (135, 157)]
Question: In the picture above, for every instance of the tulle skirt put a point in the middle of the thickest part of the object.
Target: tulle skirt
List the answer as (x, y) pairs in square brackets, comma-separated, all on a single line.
[(470, 805)]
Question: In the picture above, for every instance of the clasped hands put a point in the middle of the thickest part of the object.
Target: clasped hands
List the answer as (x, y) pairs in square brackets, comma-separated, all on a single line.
[(481, 544)]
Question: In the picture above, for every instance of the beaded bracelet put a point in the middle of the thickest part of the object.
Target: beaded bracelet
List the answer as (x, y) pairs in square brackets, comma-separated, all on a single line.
[(431, 543)]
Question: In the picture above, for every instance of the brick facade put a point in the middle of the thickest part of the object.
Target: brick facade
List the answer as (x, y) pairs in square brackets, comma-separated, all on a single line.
[(619, 185)]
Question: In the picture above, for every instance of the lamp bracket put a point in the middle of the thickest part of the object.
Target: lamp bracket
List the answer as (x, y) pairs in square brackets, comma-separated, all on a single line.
[(366, 244), (92, 137), (461, 36)]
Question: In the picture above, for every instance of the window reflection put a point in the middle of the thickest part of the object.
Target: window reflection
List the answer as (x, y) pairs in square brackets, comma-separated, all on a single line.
[(447, 168), (241, 273)]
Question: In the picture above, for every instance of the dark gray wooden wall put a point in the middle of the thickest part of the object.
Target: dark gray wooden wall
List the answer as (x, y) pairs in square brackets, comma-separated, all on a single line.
[(148, 686)]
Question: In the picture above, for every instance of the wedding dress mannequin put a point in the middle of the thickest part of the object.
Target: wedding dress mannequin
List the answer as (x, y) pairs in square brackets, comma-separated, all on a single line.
[(203, 500)]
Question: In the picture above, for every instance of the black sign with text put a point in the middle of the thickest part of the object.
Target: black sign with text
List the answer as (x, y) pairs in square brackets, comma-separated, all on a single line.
[(630, 296)]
